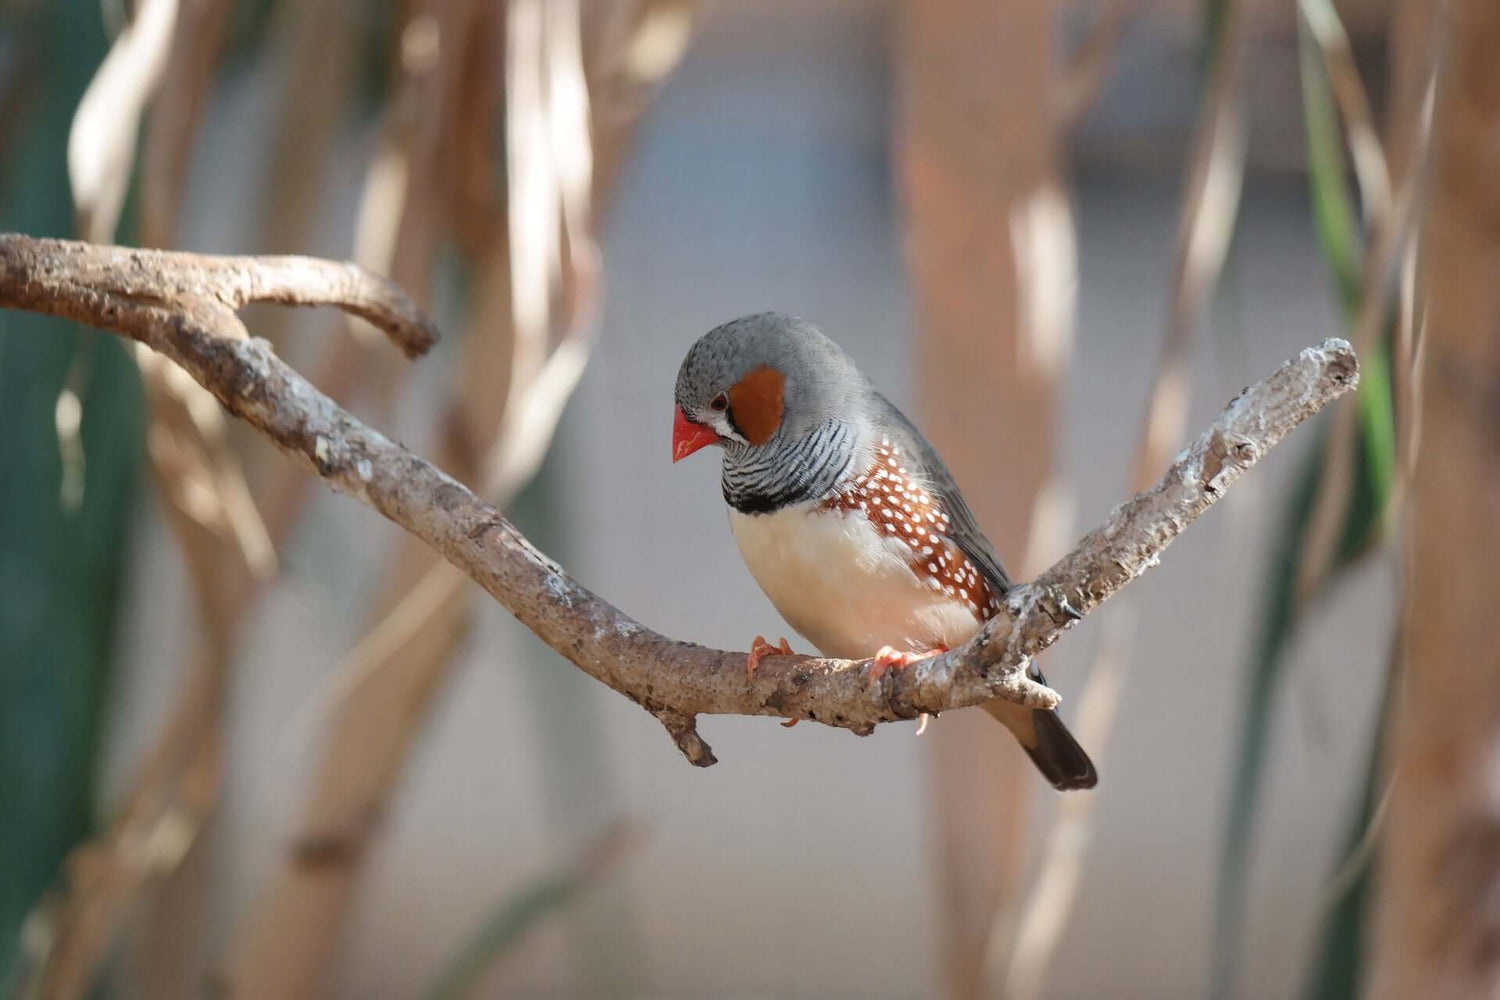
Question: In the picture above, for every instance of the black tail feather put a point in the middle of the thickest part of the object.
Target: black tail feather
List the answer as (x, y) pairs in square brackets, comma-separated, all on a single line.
[(1058, 756)]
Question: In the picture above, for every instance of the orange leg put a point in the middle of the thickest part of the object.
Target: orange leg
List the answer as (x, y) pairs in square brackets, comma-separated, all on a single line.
[(761, 648), (889, 658)]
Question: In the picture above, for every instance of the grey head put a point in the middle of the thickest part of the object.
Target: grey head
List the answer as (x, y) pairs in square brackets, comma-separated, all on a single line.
[(786, 404)]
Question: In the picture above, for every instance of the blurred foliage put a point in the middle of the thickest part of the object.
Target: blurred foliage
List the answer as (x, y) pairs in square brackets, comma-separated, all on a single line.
[(252, 22), (580, 790), (1338, 959), (60, 556), (1341, 243), (378, 59), (508, 923), (502, 929), (249, 24), (1279, 620), (1215, 17)]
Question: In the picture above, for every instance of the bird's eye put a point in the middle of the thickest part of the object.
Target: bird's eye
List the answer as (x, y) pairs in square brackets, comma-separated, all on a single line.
[(720, 403)]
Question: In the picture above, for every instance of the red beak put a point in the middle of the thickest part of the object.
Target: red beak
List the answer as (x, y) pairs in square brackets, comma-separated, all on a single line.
[(688, 437)]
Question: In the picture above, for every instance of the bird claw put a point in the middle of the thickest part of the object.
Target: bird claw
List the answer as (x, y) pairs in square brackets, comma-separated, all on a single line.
[(1066, 608), (890, 658), (760, 648)]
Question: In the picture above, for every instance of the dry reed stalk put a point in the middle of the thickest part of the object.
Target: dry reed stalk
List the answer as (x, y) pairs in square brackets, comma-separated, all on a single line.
[(521, 362), (991, 257), (1211, 197)]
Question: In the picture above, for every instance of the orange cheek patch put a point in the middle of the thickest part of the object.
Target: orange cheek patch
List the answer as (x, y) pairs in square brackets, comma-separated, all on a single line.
[(757, 404)]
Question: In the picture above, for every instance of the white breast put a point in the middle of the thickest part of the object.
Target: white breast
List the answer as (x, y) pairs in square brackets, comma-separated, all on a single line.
[(845, 587)]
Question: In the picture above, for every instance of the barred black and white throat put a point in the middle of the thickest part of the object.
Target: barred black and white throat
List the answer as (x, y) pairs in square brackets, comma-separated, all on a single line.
[(761, 480)]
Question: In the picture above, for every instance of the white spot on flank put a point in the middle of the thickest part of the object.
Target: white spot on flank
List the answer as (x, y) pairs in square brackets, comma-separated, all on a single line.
[(931, 567), (927, 551)]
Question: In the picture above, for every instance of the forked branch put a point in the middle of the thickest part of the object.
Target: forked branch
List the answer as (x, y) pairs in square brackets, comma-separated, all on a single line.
[(159, 299)]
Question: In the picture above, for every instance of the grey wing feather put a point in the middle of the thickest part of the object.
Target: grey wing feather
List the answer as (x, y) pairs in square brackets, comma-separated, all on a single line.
[(963, 527)]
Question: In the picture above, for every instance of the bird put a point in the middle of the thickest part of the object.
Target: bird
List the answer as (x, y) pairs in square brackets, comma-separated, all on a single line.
[(845, 515)]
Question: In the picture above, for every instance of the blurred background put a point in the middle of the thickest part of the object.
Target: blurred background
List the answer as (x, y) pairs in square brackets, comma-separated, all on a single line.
[(254, 742)]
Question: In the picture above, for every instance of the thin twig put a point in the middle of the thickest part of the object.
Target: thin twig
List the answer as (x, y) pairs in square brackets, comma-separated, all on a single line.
[(1216, 176), (1370, 167), (675, 681), (73, 271), (1394, 228), (102, 137), (1084, 75), (395, 232), (1357, 862)]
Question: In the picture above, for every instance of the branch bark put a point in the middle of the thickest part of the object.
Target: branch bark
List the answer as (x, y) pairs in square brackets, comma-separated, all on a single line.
[(179, 313)]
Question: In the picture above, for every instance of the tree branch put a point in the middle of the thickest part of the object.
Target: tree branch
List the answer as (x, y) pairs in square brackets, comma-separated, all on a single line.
[(77, 280), (159, 299)]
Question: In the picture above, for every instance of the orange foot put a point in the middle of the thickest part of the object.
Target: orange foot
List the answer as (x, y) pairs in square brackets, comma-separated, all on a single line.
[(889, 658), (761, 648)]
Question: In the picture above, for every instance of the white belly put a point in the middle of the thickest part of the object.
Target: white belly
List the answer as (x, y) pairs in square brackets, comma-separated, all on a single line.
[(845, 587)]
